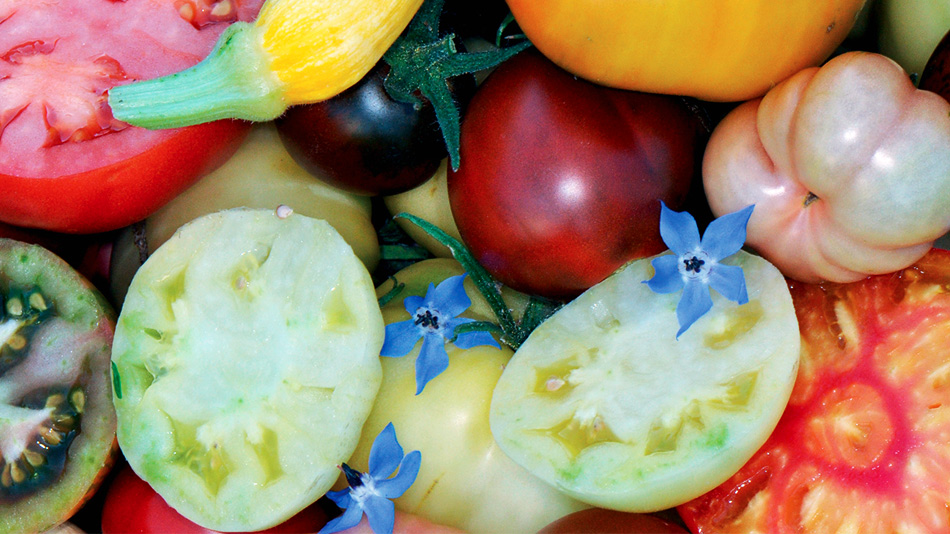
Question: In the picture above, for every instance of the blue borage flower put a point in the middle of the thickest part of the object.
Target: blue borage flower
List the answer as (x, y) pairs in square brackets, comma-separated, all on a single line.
[(694, 265), (434, 319), (371, 493)]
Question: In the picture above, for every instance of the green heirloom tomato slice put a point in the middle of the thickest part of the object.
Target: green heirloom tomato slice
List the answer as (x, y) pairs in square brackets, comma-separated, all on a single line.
[(604, 402), (57, 425), (246, 362)]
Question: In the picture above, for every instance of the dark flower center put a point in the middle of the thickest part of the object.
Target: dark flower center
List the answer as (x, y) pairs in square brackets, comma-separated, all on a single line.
[(693, 264), (427, 320), (353, 477)]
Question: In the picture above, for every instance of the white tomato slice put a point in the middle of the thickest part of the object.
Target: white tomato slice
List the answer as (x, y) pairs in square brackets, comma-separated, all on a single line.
[(246, 362), (605, 403)]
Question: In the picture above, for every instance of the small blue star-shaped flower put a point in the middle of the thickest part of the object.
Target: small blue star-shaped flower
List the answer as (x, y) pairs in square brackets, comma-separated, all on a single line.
[(694, 265), (371, 493), (434, 319)]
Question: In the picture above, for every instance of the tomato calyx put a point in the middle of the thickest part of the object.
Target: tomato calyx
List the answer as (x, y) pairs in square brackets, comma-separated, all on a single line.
[(421, 61)]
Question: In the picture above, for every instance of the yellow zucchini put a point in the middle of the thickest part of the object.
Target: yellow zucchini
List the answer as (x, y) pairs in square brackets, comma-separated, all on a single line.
[(296, 52)]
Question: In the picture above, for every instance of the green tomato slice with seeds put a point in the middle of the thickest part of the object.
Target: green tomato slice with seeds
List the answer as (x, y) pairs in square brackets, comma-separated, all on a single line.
[(246, 360), (605, 403)]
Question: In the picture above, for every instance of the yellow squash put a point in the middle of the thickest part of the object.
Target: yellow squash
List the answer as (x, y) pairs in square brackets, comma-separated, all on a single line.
[(297, 51)]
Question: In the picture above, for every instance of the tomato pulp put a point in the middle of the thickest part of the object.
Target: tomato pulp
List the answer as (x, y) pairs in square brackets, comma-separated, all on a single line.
[(65, 163), (862, 445)]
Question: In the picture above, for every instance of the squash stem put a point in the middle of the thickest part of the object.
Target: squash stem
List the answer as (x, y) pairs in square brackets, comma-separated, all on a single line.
[(233, 82)]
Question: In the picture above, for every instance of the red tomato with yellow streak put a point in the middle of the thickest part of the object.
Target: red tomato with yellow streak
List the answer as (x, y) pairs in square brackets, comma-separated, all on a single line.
[(863, 443)]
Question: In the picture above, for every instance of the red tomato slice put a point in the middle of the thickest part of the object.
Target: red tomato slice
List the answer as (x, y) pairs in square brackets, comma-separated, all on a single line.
[(863, 444), (65, 163)]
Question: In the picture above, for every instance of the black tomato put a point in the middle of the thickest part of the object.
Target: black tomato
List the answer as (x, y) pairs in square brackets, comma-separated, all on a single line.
[(365, 142)]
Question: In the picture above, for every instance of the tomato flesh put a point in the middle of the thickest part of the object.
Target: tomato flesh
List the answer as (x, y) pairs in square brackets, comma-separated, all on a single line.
[(70, 164), (862, 443)]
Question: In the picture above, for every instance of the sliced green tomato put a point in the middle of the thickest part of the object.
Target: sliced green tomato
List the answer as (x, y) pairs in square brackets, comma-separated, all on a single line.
[(604, 402), (57, 426), (246, 362)]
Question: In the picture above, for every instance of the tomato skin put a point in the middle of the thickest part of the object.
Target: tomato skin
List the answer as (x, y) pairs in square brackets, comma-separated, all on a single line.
[(936, 76), (365, 142), (862, 443), (560, 180), (600, 520), (848, 166), (719, 51), (66, 163), (124, 192), (132, 506)]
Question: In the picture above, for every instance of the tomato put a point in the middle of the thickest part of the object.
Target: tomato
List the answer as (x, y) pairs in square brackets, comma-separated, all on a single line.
[(132, 506), (936, 76), (429, 201), (405, 524), (245, 361), (260, 175), (560, 180), (608, 403), (910, 29), (364, 141), (862, 445), (58, 427), (65, 163), (600, 520), (719, 51), (848, 166), (465, 480)]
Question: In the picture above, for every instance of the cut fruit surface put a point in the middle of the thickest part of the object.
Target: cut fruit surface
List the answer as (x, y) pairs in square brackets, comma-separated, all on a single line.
[(246, 362), (863, 444), (604, 402), (57, 425)]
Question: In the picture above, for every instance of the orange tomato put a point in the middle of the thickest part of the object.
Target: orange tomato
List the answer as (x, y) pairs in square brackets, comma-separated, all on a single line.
[(719, 50)]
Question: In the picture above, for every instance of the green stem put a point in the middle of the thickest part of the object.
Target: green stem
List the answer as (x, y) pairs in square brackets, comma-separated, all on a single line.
[(480, 277), (233, 82)]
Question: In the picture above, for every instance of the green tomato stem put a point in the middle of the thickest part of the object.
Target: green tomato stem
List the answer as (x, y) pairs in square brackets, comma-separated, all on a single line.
[(234, 82)]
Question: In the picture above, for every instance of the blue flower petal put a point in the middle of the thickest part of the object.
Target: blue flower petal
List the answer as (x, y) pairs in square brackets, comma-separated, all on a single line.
[(392, 488), (431, 362), (340, 498), (381, 514), (678, 230), (400, 338), (729, 281), (666, 278), (349, 519), (385, 454), (694, 303), (449, 297), (414, 302), (726, 235), (467, 340)]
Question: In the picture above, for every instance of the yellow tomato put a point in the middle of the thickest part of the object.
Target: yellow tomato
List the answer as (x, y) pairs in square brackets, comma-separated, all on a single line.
[(720, 50)]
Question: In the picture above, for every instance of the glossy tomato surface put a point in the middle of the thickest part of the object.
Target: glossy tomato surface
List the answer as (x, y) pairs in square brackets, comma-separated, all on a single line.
[(365, 142), (132, 506), (862, 446), (65, 163), (721, 51), (848, 166), (560, 180)]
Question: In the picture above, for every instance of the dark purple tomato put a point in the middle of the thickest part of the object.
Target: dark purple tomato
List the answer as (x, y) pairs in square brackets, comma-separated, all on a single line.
[(365, 142), (561, 180), (936, 75)]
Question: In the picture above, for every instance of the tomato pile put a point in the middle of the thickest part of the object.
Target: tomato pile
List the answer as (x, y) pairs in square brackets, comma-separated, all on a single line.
[(296, 266)]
